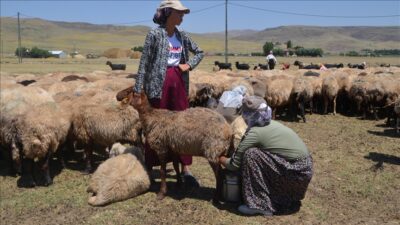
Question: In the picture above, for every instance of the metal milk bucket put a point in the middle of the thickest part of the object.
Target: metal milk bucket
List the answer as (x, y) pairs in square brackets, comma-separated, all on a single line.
[(231, 188)]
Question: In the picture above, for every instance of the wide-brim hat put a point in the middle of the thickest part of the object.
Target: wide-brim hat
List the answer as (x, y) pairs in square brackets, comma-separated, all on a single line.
[(175, 4)]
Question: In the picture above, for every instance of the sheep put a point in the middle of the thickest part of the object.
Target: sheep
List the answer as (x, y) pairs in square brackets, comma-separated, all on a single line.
[(358, 93), (223, 66), (74, 77), (278, 93), (199, 93), (397, 111), (116, 66), (335, 65), (118, 178), (361, 66), (103, 125), (302, 93), (239, 128), (308, 67), (40, 132), (261, 67), (195, 131), (26, 82), (330, 90), (242, 66)]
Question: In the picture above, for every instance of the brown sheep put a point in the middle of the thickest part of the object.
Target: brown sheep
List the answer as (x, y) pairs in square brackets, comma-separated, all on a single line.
[(118, 178), (195, 131)]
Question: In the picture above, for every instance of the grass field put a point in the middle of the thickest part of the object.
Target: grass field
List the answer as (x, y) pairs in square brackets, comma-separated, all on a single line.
[(356, 172), (43, 66)]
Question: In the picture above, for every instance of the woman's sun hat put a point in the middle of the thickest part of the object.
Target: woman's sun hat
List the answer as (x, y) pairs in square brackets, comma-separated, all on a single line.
[(175, 4)]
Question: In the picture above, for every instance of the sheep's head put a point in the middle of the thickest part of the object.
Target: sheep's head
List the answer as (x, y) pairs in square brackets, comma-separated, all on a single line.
[(139, 102), (121, 95)]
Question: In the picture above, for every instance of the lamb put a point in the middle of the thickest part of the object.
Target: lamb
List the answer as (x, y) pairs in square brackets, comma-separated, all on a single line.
[(242, 66), (195, 131), (223, 66), (103, 125), (116, 66), (118, 178)]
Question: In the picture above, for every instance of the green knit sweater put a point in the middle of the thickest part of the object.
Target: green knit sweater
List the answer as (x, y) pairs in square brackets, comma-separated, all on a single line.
[(275, 138)]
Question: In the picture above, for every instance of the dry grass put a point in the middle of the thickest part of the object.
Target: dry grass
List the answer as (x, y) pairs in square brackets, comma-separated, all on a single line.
[(346, 187)]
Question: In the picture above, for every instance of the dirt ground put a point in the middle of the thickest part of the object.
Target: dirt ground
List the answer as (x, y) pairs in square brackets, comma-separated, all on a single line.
[(356, 181)]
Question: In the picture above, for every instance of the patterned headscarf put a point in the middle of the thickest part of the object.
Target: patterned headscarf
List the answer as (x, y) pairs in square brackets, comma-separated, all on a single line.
[(256, 112)]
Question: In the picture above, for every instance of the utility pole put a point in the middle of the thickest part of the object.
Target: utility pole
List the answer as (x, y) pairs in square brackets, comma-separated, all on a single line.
[(19, 42), (226, 31)]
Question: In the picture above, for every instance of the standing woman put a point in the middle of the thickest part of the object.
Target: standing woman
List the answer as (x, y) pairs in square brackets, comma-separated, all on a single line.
[(164, 67)]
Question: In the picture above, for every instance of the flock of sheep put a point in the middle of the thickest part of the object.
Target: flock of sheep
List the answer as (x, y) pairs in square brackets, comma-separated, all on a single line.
[(59, 113)]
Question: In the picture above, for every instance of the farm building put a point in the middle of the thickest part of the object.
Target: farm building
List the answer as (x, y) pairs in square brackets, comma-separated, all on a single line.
[(59, 54)]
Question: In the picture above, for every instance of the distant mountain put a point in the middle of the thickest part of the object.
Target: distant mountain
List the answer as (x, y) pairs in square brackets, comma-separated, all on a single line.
[(86, 37), (330, 38)]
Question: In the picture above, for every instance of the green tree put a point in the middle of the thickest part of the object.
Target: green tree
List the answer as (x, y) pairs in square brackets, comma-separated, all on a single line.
[(39, 53), (289, 44), (279, 52), (137, 49), (268, 46), (24, 52)]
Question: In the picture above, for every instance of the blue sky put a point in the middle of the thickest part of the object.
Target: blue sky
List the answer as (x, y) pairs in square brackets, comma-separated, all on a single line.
[(209, 16)]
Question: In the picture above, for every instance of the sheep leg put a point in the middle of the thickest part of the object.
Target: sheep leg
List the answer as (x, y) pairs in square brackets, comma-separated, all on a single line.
[(45, 171), (397, 124), (88, 160), (163, 172), (175, 163), (273, 113), (326, 104), (218, 173), (375, 113), (311, 107), (302, 111), (26, 179), (334, 105)]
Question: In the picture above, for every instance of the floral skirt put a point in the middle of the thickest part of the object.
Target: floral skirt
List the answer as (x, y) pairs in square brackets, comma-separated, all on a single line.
[(272, 183)]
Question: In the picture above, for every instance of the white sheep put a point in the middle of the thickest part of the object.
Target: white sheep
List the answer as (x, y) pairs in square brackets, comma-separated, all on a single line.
[(118, 178)]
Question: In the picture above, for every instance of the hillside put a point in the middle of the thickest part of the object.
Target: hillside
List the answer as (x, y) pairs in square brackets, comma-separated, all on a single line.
[(86, 37)]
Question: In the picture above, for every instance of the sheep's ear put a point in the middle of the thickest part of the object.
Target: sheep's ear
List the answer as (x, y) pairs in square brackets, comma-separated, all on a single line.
[(125, 101)]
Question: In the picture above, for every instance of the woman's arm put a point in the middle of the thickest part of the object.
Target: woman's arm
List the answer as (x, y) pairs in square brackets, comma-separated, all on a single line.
[(234, 163), (144, 61), (193, 48)]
